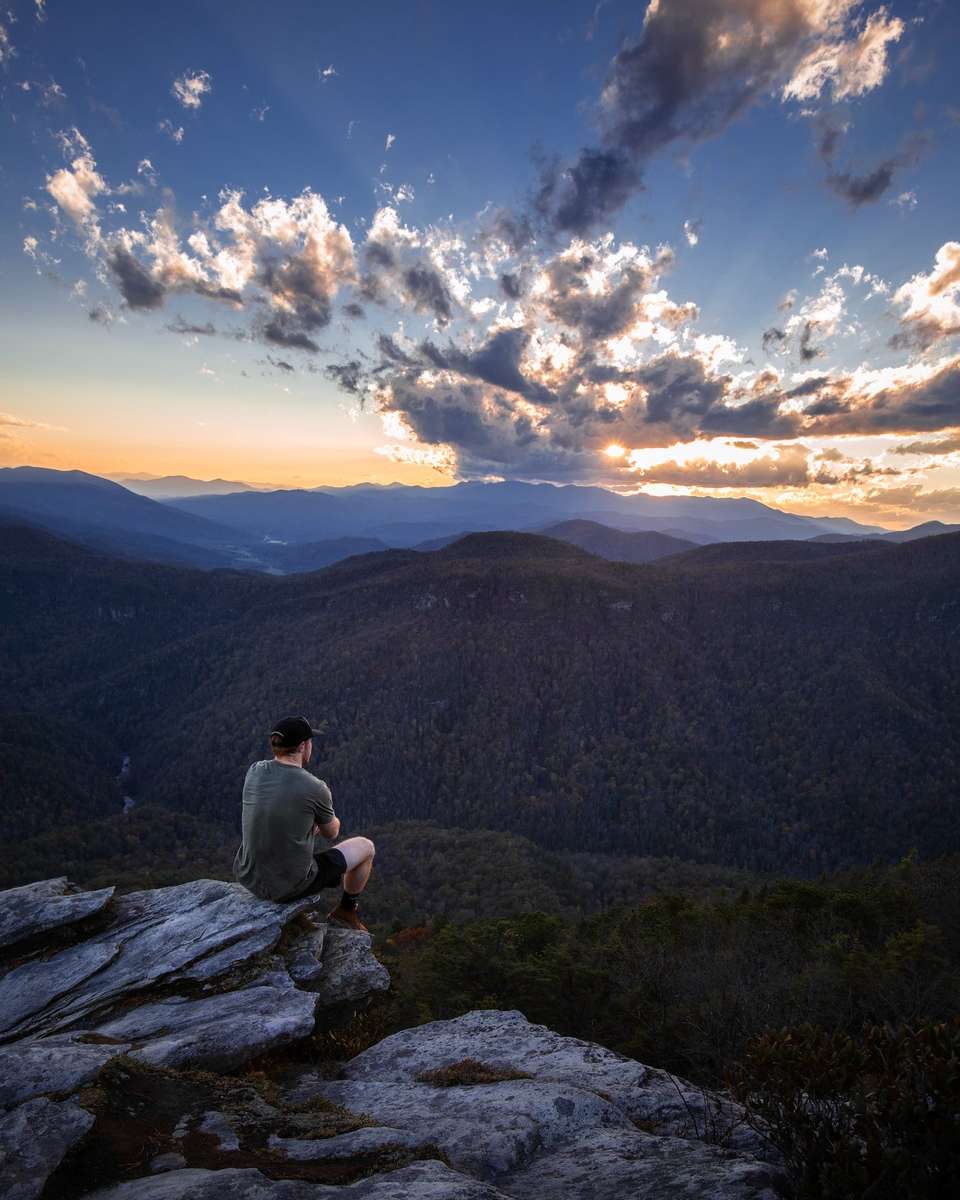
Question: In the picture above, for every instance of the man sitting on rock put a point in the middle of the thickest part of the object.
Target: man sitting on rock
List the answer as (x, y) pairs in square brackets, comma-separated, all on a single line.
[(284, 809)]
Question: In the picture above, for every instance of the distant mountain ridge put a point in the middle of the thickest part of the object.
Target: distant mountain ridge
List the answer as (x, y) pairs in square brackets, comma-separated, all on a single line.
[(261, 530), (614, 544)]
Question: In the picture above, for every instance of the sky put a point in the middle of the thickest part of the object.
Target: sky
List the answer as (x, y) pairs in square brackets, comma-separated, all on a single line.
[(686, 246)]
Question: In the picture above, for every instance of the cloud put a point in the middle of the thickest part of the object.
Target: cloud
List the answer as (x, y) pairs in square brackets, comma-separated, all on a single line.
[(75, 188), (944, 445), (906, 201), (391, 138), (848, 66), (208, 329), (786, 466), (259, 113), (10, 419), (136, 285), (865, 188), (696, 67), (930, 303), (174, 132), (191, 87), (7, 51), (327, 73), (691, 230)]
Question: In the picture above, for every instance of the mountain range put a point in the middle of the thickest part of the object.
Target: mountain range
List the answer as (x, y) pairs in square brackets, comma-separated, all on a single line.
[(281, 531), (771, 706)]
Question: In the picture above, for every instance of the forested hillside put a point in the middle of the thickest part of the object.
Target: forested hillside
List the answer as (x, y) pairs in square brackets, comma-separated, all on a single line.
[(795, 716)]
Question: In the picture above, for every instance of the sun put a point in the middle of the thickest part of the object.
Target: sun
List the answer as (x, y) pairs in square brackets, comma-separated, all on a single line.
[(615, 451)]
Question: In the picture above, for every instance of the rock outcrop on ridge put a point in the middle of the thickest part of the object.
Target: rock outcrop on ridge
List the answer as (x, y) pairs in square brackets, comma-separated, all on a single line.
[(137, 1059)]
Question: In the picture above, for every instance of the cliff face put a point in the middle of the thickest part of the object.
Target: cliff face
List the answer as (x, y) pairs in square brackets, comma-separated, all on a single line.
[(135, 1043)]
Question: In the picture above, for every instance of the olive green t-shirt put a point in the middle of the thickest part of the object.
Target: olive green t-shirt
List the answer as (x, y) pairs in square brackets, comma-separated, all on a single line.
[(281, 803)]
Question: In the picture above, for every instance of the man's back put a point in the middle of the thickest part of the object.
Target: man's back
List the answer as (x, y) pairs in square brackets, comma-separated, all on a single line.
[(281, 804)]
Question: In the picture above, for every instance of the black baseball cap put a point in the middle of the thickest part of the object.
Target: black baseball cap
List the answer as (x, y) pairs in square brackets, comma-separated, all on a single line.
[(295, 730)]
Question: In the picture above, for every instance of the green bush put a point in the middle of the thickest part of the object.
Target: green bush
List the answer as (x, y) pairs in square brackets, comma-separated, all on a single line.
[(876, 1115)]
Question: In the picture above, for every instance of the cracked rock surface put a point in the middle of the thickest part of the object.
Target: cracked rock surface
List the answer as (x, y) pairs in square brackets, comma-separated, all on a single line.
[(129, 1026)]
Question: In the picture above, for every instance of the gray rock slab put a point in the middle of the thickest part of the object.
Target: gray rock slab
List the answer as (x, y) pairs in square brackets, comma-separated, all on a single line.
[(154, 937), (429, 1180), (605, 1163), (34, 1137), (305, 957), (419, 1181), (58, 1064), (45, 905), (346, 1145), (508, 1039), (484, 1129), (221, 1031), (350, 970), (195, 1183)]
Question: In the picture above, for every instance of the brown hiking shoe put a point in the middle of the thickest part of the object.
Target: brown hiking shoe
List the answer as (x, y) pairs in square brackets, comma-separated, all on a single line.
[(346, 917)]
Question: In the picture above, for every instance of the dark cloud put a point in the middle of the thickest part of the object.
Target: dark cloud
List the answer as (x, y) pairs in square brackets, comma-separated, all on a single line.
[(427, 292), (280, 332), (138, 288), (295, 282), (829, 135), (497, 362), (573, 199), (348, 376), (280, 363), (695, 68), (354, 310), (208, 329), (772, 338), (863, 189), (100, 315), (868, 186), (808, 352), (911, 407), (378, 254), (390, 351), (511, 286)]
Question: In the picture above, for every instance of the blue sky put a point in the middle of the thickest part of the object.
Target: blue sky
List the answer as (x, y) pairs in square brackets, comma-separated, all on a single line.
[(814, 169)]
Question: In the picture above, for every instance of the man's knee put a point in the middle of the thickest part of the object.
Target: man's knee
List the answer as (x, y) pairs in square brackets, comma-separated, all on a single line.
[(370, 847)]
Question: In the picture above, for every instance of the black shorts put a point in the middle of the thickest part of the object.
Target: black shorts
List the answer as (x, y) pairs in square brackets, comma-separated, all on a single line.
[(331, 864)]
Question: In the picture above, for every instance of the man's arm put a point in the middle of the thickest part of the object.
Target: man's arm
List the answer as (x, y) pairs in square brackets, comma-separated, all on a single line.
[(330, 830), (326, 822)]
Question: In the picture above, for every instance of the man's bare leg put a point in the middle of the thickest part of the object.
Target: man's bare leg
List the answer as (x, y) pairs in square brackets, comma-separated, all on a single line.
[(358, 852)]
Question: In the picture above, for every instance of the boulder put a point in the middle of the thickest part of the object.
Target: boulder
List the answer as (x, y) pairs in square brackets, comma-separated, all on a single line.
[(350, 971), (221, 1031), (602, 1163), (58, 1065), (484, 1130), (201, 929), (508, 1039), (45, 906), (305, 957), (34, 1137), (347, 1145), (419, 1181)]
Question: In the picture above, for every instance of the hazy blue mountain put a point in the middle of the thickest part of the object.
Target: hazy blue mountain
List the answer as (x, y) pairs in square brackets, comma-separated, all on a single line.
[(614, 544), (170, 487), (405, 516), (75, 502), (927, 529)]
